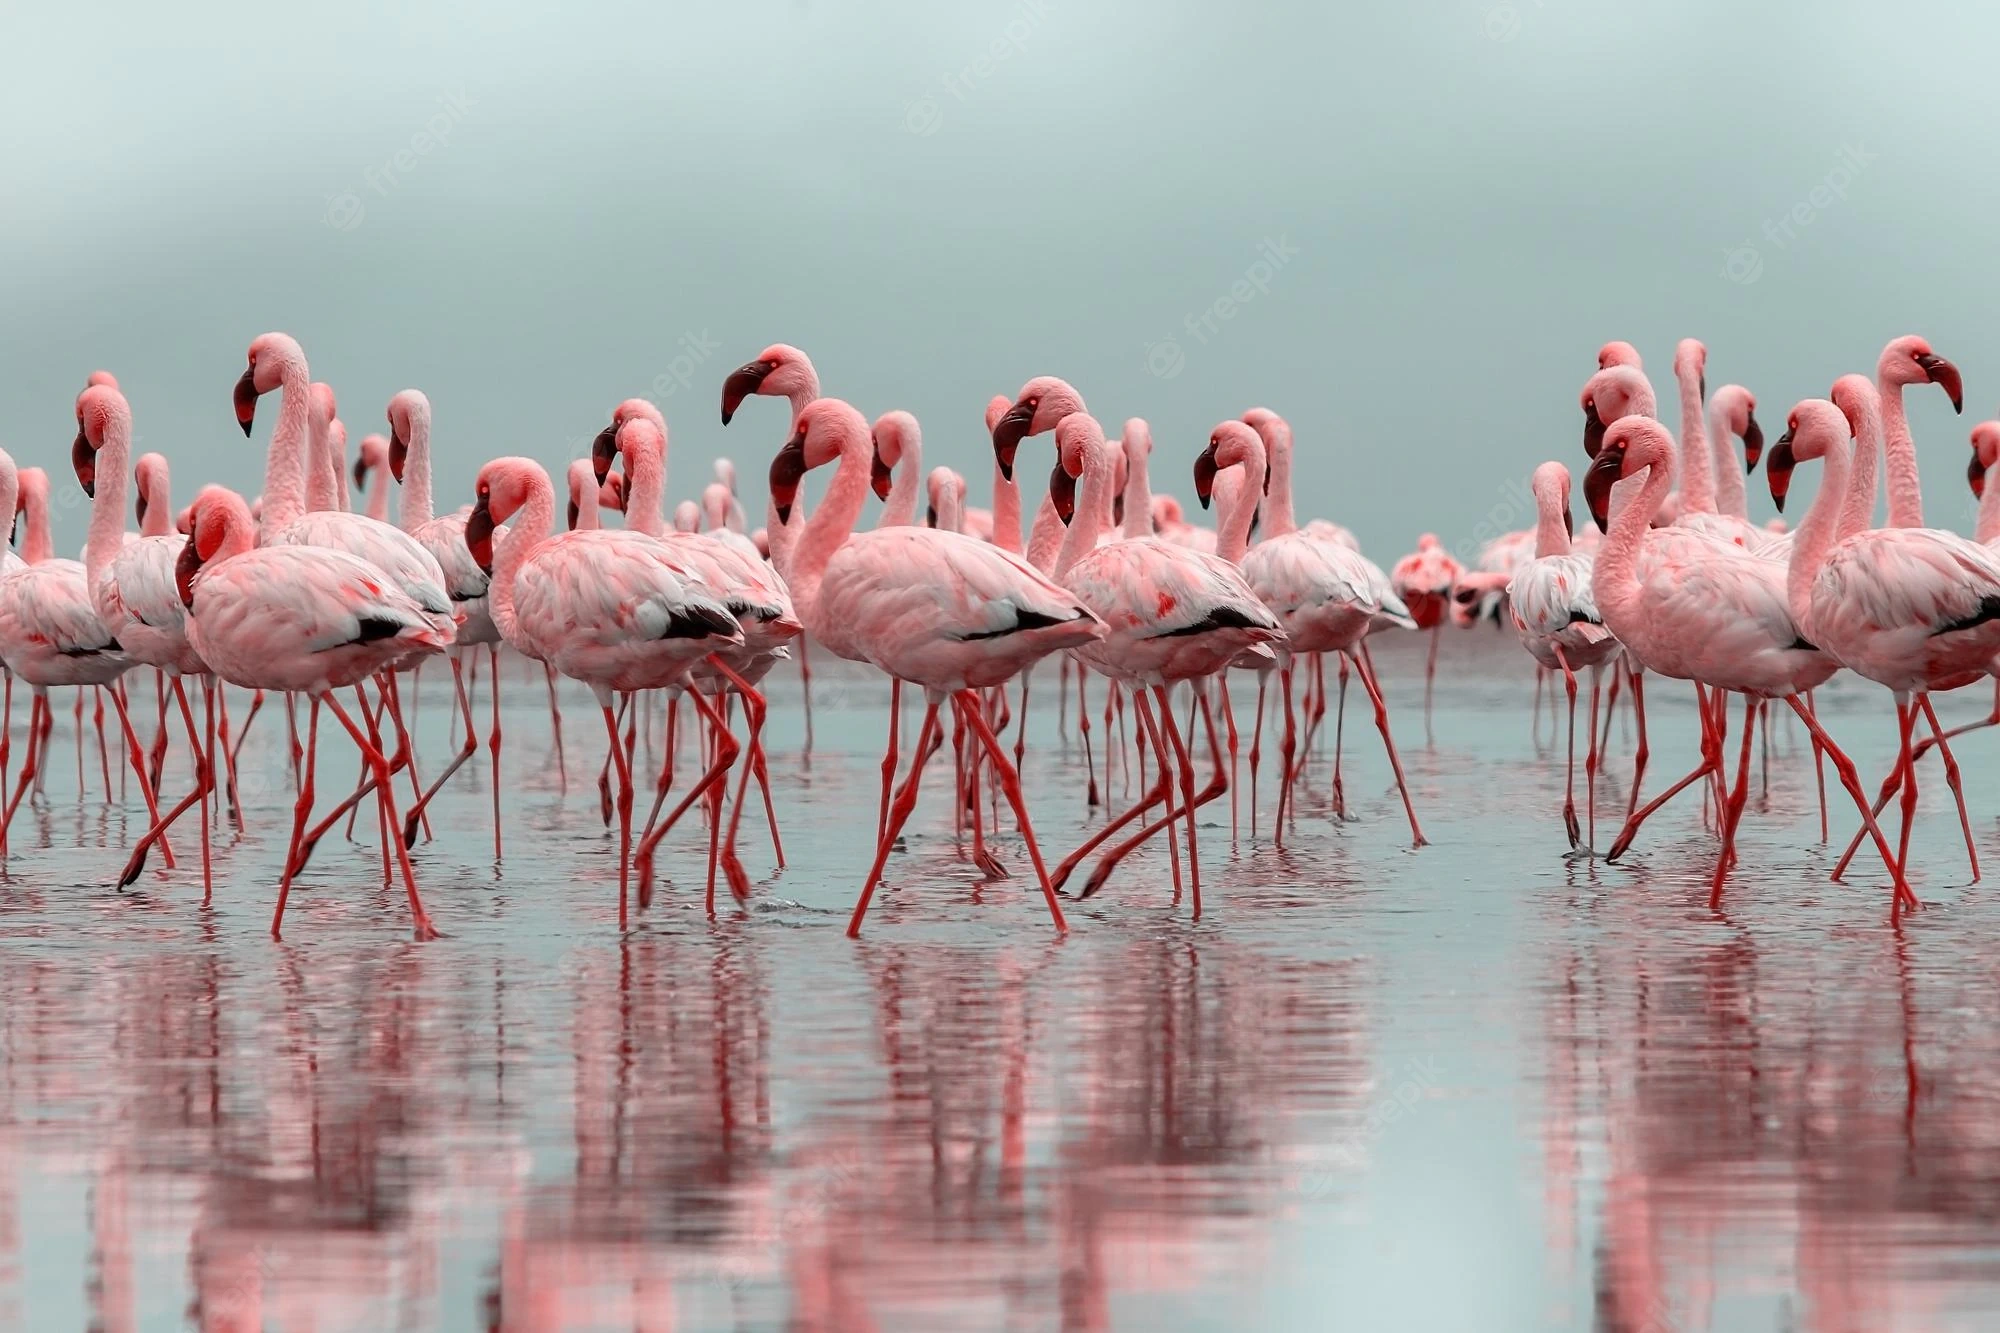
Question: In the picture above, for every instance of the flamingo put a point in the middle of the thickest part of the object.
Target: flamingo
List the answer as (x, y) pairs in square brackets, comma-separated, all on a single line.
[(307, 620), (134, 595), (371, 465), (1171, 614), (715, 506), (1700, 462), (1423, 579), (1705, 610), (1914, 609), (604, 607), (899, 462), (946, 492), (1549, 599), (936, 609), (735, 519)]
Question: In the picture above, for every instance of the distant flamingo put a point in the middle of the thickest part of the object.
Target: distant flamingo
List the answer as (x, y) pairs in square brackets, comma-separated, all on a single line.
[(1424, 579), (936, 609), (371, 466), (945, 490), (899, 459), (304, 619)]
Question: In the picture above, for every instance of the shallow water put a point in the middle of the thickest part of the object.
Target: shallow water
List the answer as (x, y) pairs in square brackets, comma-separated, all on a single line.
[(1476, 1086)]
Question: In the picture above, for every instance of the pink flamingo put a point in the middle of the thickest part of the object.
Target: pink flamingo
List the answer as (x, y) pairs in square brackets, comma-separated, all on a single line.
[(937, 609), (603, 607), (307, 620), (687, 516), (371, 466), (1617, 353), (1732, 415), (946, 492), (134, 595), (1700, 462), (406, 455), (1549, 598), (1915, 609), (1703, 610), (899, 460), (1424, 579), (1171, 615), (716, 503), (50, 635), (734, 519), (1321, 592)]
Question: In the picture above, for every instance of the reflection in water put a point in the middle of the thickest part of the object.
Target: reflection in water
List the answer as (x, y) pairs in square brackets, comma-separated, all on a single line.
[(1782, 1118)]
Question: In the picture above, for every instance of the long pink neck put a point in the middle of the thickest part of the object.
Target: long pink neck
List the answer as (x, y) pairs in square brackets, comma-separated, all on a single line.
[(1614, 578), (1045, 537), (1279, 516), (322, 492), (1899, 461), (1697, 475), (1088, 521), (107, 507), (1730, 495), (38, 543), (1551, 533), (784, 537), (285, 460), (1232, 538), (645, 487), (1857, 512), (158, 489), (900, 511), (1818, 532), (1006, 512), (378, 494), (1989, 511), (1138, 496), (831, 523), (417, 500), (526, 530)]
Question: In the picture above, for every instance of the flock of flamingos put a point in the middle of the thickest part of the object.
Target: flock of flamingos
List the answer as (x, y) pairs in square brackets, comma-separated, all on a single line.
[(296, 594)]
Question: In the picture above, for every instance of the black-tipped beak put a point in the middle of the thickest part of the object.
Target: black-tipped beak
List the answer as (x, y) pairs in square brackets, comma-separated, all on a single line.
[(1062, 493), (1605, 471), (742, 382), (1945, 375), (1009, 431), (574, 514), (360, 474), (1204, 475), (246, 400), (1975, 476), (84, 459), (603, 450), (880, 477), (399, 456), (930, 516), (1593, 430), (1778, 472), (185, 568), (1569, 521), (479, 534), (1753, 442), (786, 470), (139, 506)]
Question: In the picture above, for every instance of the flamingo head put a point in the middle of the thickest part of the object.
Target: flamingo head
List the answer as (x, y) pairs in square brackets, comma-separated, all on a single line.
[(504, 485), (99, 409), (894, 433), (780, 370), (409, 415), (604, 449), (1617, 391), (218, 524), (1691, 362), (374, 452), (825, 430), (1910, 360), (1231, 444), (1042, 403), (1632, 444), (1736, 407), (149, 474), (1617, 353), (1550, 487), (1985, 455), (996, 407), (271, 355), (1858, 401), (1079, 444), (1813, 427)]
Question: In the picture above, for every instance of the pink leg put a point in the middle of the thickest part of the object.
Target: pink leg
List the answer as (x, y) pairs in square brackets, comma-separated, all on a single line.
[(1844, 769), (1161, 792), (1186, 764), (1819, 768), (1339, 728), (138, 760), (1951, 779), (385, 795), (806, 681), (1109, 861), (1229, 719), (1732, 812), (468, 747), (1711, 758), (624, 804), (1430, 678), (890, 758), (1364, 666), (555, 728), (1257, 747), (1640, 752), (301, 808), (1285, 750), (899, 811), (204, 784), (1590, 761), (725, 752), (1021, 727), (1083, 727), (493, 743), (1569, 777), (1010, 783)]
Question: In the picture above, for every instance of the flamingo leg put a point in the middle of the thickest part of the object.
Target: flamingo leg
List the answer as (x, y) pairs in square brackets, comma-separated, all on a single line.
[(1641, 752), (1109, 861), (890, 757), (6, 751), (1364, 666), (724, 755), (1951, 778), (1569, 778), (1160, 791), (806, 683), (1850, 778), (1062, 697), (1906, 721), (1590, 762), (301, 808), (370, 744), (1732, 813), (1257, 748), (468, 747), (204, 784), (229, 751), (137, 757), (555, 727), (624, 803), (1711, 757), (1339, 727), (1021, 727), (1187, 792), (1819, 768), (1083, 728), (1229, 720), (1430, 677), (1010, 783), (1990, 720), (755, 710), (156, 760), (1285, 750), (899, 811), (493, 742), (604, 774)]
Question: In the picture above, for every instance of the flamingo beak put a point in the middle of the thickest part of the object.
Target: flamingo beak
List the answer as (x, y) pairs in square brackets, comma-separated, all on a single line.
[(246, 400), (603, 450), (1605, 471), (1779, 471), (1975, 475), (880, 477), (84, 459), (1569, 521), (742, 382), (786, 470), (139, 505), (479, 535), (1753, 442), (185, 568), (1593, 430), (930, 516), (399, 452), (1062, 493), (574, 513), (360, 474), (1204, 475), (1945, 375), (1009, 431)]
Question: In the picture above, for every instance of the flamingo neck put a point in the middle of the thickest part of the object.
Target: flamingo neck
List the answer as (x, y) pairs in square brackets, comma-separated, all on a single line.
[(645, 487), (1232, 536), (1138, 496), (1088, 521), (1899, 461), (1857, 512), (320, 487), (1730, 495), (831, 523), (1006, 512), (901, 509), (107, 507), (1614, 575), (1045, 537), (526, 530), (1551, 533), (1697, 477), (284, 461), (38, 543), (1279, 516), (159, 492), (378, 494), (1989, 512), (417, 501), (1818, 532)]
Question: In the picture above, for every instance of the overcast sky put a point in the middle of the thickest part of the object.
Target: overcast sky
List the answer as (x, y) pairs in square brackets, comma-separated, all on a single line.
[(1467, 199)]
